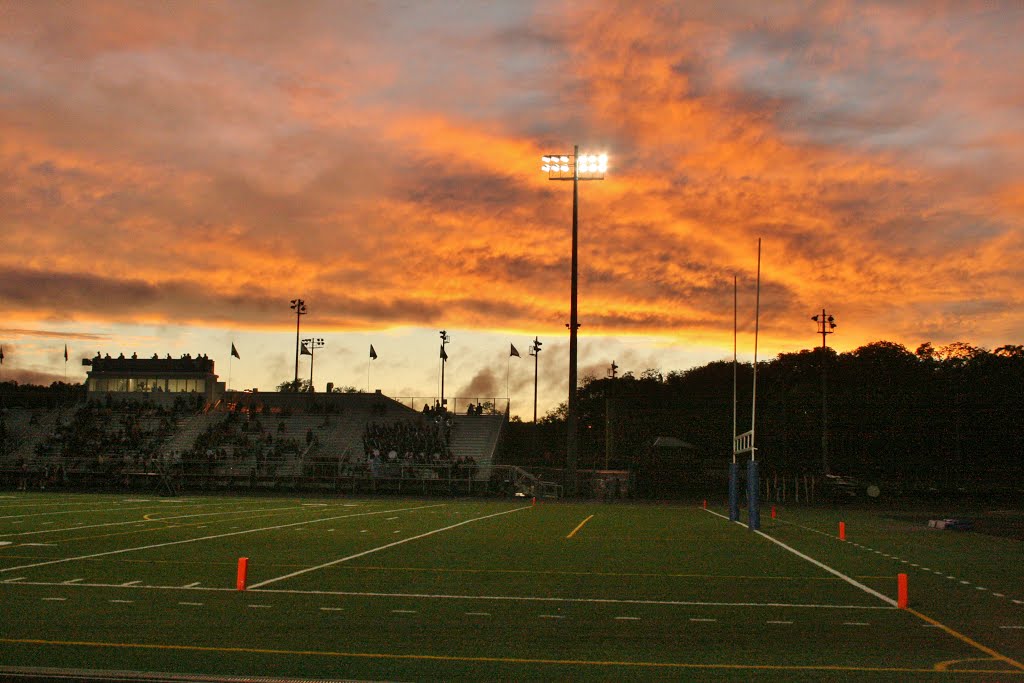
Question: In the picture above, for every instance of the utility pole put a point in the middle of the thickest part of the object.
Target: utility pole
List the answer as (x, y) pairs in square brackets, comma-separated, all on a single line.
[(826, 326)]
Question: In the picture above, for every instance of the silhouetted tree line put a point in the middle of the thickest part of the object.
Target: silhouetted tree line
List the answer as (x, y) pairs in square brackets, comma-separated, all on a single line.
[(58, 394), (949, 418)]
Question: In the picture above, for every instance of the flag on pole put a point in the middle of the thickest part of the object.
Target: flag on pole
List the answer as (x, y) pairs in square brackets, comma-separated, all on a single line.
[(444, 356), (373, 354), (304, 350), (234, 351), (514, 352), (65, 353)]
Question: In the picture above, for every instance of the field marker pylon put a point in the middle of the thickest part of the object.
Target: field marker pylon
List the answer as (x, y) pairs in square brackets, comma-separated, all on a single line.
[(901, 591), (773, 512), (842, 531), (243, 571), (705, 503)]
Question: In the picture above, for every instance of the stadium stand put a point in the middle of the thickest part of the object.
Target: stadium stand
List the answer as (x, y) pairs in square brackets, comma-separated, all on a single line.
[(251, 441)]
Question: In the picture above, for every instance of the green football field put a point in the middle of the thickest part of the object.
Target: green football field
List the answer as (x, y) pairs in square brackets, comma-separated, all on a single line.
[(435, 589)]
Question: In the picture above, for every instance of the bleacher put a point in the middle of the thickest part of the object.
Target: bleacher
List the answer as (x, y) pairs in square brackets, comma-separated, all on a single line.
[(477, 436), (26, 429), (248, 441)]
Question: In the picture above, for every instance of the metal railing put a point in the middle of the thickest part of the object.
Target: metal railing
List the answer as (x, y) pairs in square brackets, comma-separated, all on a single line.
[(458, 405)]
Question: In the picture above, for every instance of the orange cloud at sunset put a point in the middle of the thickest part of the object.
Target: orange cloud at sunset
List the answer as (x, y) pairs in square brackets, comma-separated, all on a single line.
[(203, 164)]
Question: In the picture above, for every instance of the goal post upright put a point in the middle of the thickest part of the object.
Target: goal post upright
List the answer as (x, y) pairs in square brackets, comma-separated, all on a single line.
[(753, 483), (734, 494), (745, 443)]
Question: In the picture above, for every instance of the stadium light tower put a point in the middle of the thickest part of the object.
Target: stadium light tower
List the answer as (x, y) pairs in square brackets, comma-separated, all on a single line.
[(445, 339), (574, 167), (299, 306), (535, 352), (312, 344), (826, 326)]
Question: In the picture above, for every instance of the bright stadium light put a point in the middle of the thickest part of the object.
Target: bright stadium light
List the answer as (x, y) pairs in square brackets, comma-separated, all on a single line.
[(576, 167)]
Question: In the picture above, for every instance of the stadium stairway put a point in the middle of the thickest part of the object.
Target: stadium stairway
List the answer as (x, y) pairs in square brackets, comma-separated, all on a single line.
[(477, 436), (187, 430)]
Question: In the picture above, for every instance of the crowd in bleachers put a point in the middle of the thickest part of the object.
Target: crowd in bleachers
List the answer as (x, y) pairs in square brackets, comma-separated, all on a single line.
[(424, 440), (413, 448), (118, 442), (242, 439), (104, 440)]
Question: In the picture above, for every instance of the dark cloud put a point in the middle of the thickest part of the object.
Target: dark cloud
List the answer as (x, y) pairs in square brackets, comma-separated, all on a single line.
[(51, 334)]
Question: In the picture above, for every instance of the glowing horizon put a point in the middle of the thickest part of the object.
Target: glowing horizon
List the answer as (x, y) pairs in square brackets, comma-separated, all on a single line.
[(175, 174)]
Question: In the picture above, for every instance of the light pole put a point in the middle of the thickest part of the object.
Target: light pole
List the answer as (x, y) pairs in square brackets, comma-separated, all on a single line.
[(608, 439), (299, 306), (826, 326), (535, 352), (574, 167), (312, 344), (445, 338)]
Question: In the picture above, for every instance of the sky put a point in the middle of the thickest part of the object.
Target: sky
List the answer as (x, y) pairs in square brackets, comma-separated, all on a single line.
[(173, 174)]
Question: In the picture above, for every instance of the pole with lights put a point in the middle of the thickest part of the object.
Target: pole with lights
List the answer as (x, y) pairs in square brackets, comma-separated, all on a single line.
[(312, 344), (612, 374), (826, 326), (574, 167), (445, 339), (299, 306), (535, 352)]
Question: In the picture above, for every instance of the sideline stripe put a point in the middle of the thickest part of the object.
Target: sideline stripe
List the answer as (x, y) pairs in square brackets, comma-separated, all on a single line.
[(448, 596), (573, 532), (208, 538), (973, 643), (830, 570), (490, 660), (383, 547)]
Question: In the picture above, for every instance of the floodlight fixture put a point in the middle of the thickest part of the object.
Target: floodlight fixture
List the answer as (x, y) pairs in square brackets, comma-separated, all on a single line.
[(575, 166)]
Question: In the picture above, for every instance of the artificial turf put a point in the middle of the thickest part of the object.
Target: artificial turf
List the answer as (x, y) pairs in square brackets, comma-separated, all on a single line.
[(407, 589)]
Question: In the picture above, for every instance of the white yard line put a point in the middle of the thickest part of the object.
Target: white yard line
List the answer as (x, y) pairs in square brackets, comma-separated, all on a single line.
[(146, 521), (67, 512), (383, 547), (207, 538), (835, 572), (600, 601)]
